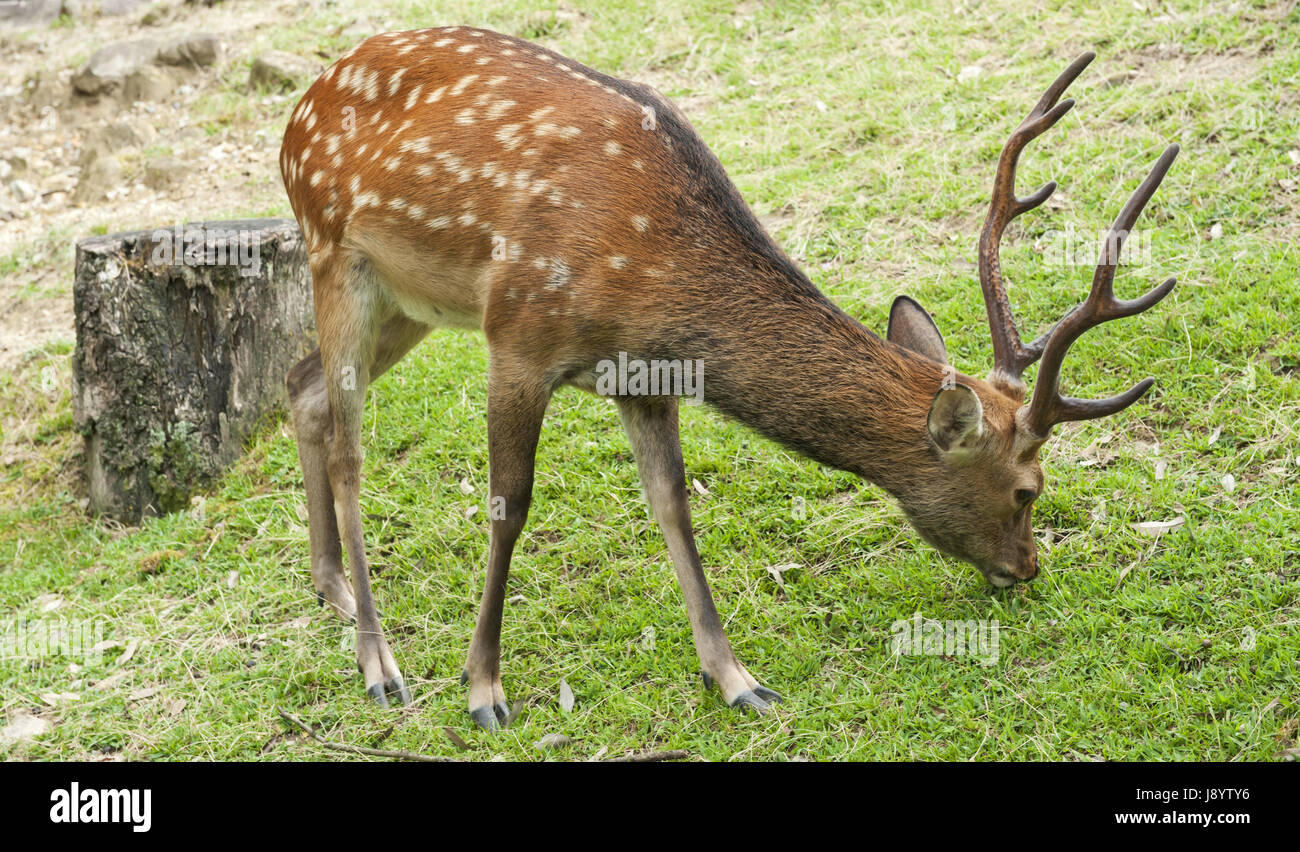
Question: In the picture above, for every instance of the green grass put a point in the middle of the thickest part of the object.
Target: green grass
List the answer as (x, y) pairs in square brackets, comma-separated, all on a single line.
[(1126, 647)]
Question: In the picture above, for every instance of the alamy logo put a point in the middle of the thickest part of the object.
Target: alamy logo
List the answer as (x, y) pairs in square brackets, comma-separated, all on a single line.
[(199, 245), (636, 377), (102, 806), (917, 636)]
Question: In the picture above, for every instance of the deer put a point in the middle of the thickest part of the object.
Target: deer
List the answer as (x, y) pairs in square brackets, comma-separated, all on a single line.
[(455, 176)]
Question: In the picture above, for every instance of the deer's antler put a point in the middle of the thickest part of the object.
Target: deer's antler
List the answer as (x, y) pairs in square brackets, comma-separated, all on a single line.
[(1010, 355), (1048, 407)]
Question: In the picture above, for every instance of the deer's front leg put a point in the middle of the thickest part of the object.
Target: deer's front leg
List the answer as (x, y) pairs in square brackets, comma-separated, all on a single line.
[(651, 425), (515, 411)]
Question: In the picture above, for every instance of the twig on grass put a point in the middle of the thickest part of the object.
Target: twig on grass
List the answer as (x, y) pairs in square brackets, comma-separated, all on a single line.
[(374, 752), (648, 757)]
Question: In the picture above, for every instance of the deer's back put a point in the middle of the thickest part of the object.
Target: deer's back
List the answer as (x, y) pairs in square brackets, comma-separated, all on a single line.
[(476, 169)]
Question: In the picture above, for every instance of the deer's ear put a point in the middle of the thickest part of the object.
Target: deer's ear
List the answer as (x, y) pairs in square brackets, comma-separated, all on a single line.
[(956, 418), (911, 327)]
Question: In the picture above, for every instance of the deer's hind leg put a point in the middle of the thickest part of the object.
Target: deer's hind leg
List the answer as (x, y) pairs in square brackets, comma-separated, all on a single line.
[(360, 337)]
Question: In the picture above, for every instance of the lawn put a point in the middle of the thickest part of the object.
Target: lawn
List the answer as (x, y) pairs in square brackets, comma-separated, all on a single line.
[(865, 135)]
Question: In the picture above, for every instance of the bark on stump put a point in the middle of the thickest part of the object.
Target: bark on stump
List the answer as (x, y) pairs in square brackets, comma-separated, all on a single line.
[(184, 337)]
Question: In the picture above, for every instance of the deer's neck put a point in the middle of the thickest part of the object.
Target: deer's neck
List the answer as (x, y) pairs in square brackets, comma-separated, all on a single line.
[(787, 362)]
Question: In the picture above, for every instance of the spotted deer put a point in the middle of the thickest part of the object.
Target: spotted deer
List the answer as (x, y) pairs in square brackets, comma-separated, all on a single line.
[(456, 176)]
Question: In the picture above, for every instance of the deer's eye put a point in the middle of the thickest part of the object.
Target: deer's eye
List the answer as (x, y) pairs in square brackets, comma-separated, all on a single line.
[(1025, 496)]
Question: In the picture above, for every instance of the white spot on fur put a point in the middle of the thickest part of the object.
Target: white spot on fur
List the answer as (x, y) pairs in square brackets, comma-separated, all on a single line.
[(463, 82), (618, 262), (506, 136), (395, 82), (499, 108), (416, 146), (612, 148), (641, 223), (560, 274)]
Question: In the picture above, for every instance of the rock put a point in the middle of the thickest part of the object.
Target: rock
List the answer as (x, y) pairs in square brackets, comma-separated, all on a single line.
[(181, 355), (46, 91), (120, 7), (23, 726), (6, 170), (165, 173), (75, 9), (116, 136), (279, 70), (30, 13), (103, 173), (147, 83), (109, 66), (22, 191), (199, 51)]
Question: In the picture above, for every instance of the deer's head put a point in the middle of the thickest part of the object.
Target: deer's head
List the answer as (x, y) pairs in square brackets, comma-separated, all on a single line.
[(985, 438)]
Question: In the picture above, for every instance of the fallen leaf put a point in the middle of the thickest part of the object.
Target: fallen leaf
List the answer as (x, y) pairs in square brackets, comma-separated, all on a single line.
[(232, 579), (455, 738), (1229, 483), (777, 570), (55, 698), (1158, 528), (129, 652), (551, 742), (968, 73), (105, 645), (49, 602), (174, 706), (1161, 466), (566, 696), (141, 694), (466, 487), (110, 681), (699, 487)]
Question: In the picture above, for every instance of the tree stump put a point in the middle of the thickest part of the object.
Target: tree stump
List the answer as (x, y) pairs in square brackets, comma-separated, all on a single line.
[(184, 337)]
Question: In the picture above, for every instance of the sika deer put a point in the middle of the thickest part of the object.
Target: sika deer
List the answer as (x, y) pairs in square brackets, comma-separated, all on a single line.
[(459, 176)]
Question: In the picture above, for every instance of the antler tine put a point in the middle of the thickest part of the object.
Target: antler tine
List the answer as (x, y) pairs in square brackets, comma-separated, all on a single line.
[(1048, 407), (1010, 355)]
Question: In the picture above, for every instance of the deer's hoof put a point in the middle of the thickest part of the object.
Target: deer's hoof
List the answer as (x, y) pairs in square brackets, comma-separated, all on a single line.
[(771, 696), (747, 701), (376, 693), (397, 688), (486, 718)]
